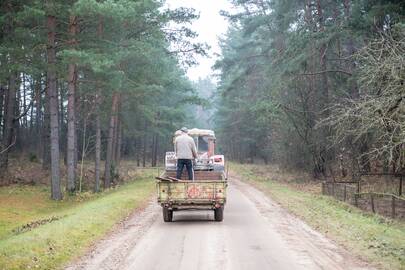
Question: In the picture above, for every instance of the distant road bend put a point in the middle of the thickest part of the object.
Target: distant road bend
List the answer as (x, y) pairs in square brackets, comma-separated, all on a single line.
[(256, 234)]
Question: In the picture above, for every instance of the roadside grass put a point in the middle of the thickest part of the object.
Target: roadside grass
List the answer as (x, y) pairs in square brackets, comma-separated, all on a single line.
[(38, 233), (379, 240)]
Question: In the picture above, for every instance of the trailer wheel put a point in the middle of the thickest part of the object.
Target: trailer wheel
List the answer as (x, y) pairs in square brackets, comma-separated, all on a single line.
[(167, 215), (219, 214)]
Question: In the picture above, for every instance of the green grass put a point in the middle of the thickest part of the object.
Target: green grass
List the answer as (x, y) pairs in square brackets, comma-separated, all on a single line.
[(78, 222), (378, 240)]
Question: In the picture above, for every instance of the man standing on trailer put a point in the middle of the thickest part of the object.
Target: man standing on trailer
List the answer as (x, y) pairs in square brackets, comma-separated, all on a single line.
[(186, 151)]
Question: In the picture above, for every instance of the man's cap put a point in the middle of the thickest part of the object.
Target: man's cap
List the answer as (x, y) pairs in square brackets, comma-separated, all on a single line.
[(184, 129)]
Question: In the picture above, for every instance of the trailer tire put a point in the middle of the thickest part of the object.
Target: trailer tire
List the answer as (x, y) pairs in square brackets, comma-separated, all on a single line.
[(167, 215), (219, 214)]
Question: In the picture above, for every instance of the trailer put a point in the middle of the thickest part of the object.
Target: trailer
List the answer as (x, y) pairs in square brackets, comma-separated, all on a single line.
[(208, 189), (206, 192)]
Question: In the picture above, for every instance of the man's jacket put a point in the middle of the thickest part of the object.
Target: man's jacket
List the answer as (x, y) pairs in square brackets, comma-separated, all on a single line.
[(184, 147)]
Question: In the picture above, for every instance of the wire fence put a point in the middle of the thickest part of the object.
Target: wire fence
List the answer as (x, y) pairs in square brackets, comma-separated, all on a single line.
[(386, 204)]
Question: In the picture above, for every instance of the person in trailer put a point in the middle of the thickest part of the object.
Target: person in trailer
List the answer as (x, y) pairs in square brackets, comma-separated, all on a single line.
[(185, 151)]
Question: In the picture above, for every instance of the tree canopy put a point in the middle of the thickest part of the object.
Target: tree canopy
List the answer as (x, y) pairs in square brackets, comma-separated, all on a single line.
[(308, 84), (83, 72)]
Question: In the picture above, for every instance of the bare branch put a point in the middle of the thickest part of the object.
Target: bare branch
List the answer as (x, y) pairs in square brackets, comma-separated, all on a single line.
[(326, 71)]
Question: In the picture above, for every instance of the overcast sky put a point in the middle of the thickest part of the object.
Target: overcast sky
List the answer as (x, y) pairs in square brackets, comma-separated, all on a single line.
[(210, 26)]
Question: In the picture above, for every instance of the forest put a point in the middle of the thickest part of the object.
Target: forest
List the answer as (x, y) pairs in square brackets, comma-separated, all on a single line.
[(314, 85), (306, 99), (97, 80), (310, 85)]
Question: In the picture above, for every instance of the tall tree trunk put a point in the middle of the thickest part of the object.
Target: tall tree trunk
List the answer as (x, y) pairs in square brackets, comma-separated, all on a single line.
[(98, 151), (351, 50), (53, 108), (322, 55), (152, 148), (61, 117), (138, 151), (9, 113), (145, 143), (110, 142), (114, 142), (71, 110), (155, 150), (156, 142), (119, 144), (61, 95), (98, 124), (321, 152), (353, 88), (16, 123), (2, 93), (38, 115), (83, 153), (24, 103), (46, 134), (31, 130)]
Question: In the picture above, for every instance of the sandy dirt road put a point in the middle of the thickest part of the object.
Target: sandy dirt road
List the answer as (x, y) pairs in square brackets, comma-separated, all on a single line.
[(256, 234)]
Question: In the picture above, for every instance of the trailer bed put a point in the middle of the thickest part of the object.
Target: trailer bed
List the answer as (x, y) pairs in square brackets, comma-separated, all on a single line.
[(206, 192)]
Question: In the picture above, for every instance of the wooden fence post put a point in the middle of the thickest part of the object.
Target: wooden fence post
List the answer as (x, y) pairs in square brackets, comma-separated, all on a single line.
[(393, 207), (372, 202), (356, 203)]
